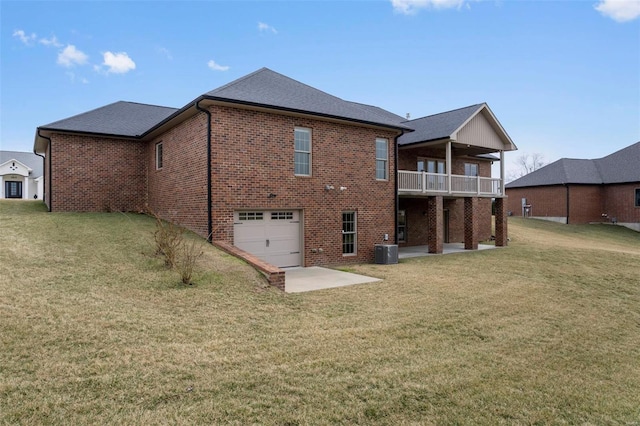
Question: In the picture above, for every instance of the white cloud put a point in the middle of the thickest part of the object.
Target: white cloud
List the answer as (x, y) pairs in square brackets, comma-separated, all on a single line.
[(619, 10), (25, 38), (216, 67), (118, 63), (71, 56), (410, 7), (53, 41), (262, 27)]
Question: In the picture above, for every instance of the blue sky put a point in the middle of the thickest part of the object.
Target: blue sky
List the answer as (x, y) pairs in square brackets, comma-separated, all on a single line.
[(563, 77)]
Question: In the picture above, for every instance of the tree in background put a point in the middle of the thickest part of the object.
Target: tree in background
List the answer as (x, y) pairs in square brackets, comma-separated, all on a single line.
[(525, 164)]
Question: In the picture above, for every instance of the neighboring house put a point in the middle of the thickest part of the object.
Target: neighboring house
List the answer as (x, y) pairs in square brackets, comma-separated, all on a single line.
[(582, 191), (21, 175), (284, 171)]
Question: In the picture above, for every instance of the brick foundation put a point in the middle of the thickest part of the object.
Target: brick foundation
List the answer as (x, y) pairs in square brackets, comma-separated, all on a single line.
[(501, 222), (435, 217), (471, 223)]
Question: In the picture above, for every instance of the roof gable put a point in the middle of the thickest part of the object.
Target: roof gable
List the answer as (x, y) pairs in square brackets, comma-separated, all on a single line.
[(438, 126), (473, 125), (28, 159)]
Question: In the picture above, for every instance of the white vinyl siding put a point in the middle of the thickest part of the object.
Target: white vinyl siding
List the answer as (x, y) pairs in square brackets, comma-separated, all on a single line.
[(382, 159), (302, 151)]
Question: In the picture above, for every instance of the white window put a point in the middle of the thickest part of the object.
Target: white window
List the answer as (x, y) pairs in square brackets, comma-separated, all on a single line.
[(382, 159), (471, 169), (302, 151), (348, 233), (432, 165), (159, 156)]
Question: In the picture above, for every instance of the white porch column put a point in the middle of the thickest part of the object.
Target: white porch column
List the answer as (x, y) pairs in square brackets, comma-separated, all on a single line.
[(25, 188), (449, 166), (2, 187), (501, 172)]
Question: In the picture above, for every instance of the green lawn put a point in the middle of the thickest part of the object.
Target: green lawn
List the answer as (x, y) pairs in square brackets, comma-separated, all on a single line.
[(95, 330)]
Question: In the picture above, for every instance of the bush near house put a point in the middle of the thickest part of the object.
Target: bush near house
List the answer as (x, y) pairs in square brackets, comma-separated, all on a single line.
[(94, 328)]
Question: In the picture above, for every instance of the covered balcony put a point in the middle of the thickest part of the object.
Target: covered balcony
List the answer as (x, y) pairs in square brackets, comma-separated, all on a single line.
[(423, 183)]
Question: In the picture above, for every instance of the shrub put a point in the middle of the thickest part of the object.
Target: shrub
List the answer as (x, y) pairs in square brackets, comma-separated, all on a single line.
[(168, 238), (189, 254)]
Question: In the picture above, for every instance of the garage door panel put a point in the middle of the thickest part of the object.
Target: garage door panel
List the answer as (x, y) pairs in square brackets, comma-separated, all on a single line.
[(273, 236)]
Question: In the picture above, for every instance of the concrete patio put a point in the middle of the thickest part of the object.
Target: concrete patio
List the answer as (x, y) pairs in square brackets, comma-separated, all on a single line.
[(448, 248), (299, 280)]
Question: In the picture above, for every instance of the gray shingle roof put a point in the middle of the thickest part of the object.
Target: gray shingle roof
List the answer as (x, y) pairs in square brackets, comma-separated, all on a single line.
[(268, 88), (118, 119), (619, 167), (437, 126), (29, 159)]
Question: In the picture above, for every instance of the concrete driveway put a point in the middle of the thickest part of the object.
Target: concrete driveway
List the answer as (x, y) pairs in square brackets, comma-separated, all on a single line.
[(298, 280)]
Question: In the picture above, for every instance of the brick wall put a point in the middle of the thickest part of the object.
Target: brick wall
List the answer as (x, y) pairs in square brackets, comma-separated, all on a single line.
[(96, 174), (619, 202), (546, 201), (587, 202), (178, 191), (253, 157)]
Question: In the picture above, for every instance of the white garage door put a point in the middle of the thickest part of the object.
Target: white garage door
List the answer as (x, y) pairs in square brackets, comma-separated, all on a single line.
[(273, 236)]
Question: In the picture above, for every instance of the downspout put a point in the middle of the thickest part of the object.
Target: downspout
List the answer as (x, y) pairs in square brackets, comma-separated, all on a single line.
[(209, 220), (567, 185), (397, 206), (48, 179)]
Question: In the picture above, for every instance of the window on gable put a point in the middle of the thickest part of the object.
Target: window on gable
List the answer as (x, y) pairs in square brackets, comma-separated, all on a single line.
[(302, 151), (159, 156), (348, 233), (382, 159), (637, 197)]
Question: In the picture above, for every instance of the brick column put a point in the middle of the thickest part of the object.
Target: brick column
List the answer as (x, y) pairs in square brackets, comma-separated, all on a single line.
[(435, 220), (471, 223), (501, 222)]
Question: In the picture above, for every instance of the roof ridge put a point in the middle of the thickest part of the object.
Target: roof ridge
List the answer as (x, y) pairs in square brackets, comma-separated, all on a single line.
[(238, 80), (445, 112)]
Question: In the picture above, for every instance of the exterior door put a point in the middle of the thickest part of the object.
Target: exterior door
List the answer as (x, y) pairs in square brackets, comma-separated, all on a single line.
[(12, 189), (273, 236)]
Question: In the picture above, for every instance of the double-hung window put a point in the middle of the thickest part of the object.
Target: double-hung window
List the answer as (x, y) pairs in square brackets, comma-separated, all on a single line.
[(382, 159), (637, 197), (348, 233), (471, 169), (302, 151), (159, 156)]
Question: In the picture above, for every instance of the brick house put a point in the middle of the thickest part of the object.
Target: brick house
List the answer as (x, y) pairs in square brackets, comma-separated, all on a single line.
[(582, 191), (284, 171)]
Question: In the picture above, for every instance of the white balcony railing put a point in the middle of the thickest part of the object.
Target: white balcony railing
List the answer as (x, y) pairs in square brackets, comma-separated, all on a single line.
[(437, 183)]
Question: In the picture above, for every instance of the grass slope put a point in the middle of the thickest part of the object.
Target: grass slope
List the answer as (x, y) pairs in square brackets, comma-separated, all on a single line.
[(94, 330)]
